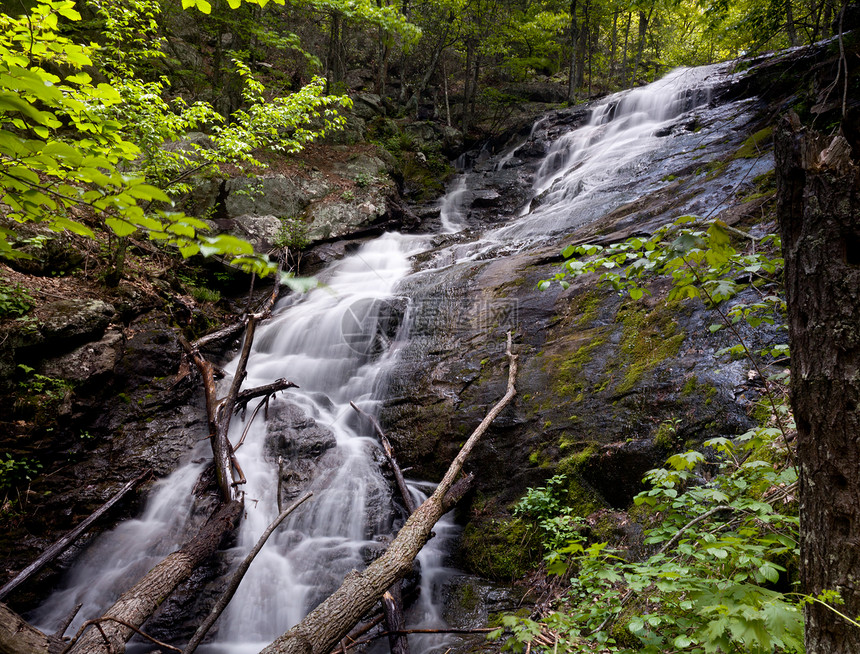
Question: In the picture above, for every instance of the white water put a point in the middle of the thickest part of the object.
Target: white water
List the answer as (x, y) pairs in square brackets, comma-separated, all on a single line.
[(590, 170), (331, 344)]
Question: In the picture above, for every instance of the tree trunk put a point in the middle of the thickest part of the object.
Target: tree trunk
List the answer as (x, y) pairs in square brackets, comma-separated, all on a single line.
[(789, 23), (324, 627), (623, 76), (640, 47), (467, 85), (818, 206), (335, 64), (19, 637), (574, 40), (582, 47), (614, 46), (137, 604)]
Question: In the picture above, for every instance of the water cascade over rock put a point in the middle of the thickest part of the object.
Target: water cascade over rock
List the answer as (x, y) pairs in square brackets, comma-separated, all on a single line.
[(411, 328)]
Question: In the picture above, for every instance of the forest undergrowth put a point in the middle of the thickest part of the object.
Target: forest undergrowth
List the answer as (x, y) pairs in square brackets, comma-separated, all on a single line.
[(714, 564)]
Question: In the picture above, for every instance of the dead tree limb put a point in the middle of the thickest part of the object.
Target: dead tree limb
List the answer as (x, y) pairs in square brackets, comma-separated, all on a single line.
[(392, 605), (20, 637), (63, 543), (67, 621), (392, 599), (323, 628), (137, 604), (219, 412), (389, 453), (225, 598), (97, 623), (224, 332), (269, 389)]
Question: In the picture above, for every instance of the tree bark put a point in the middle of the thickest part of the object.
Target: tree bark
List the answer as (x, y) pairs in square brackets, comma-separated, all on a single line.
[(574, 41), (324, 627), (19, 637), (137, 604), (818, 207)]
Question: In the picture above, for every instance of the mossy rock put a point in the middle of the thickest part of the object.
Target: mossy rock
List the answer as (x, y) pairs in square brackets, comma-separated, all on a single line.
[(649, 337), (500, 549)]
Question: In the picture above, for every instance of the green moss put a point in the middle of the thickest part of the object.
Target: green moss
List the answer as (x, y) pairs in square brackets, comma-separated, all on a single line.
[(761, 413), (575, 463), (713, 169), (692, 386), (667, 434), (578, 496), (468, 598), (585, 307), (755, 145), (569, 381), (501, 549), (689, 386), (648, 338)]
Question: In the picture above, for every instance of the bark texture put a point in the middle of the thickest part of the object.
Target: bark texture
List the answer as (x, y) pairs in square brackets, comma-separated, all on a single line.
[(819, 216), (137, 604), (18, 637)]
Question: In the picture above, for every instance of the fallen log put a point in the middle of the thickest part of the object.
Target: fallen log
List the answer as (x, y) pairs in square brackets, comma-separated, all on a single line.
[(20, 637), (137, 604), (66, 541), (324, 627)]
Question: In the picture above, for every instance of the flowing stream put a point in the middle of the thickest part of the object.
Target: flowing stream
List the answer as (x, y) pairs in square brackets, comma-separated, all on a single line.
[(337, 342)]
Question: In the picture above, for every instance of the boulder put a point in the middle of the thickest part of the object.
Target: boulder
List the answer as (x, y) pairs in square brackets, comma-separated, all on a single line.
[(74, 320)]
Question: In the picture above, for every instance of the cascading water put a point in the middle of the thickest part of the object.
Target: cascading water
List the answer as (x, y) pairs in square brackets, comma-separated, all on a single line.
[(589, 171), (336, 343)]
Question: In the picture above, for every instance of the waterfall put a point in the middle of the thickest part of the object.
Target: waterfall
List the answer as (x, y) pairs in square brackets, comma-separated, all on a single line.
[(337, 343), (591, 170)]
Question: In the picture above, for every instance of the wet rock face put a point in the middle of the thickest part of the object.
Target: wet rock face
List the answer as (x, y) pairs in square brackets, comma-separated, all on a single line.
[(608, 387), (300, 442)]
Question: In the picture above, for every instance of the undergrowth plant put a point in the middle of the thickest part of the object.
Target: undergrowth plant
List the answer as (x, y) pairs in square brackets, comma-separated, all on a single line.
[(717, 570), (722, 543)]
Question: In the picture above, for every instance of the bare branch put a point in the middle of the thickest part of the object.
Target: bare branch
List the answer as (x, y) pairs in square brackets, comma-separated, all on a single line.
[(63, 543), (224, 600)]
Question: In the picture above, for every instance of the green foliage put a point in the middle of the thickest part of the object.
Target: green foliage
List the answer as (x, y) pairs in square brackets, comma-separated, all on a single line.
[(701, 261), (14, 300), (69, 143), (293, 234), (725, 533), (547, 507), (363, 180), (15, 471)]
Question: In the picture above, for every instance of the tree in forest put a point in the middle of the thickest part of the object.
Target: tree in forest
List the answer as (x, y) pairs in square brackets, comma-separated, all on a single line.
[(819, 216)]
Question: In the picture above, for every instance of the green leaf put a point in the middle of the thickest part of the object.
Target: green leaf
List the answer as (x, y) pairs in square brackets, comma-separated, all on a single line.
[(120, 227)]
